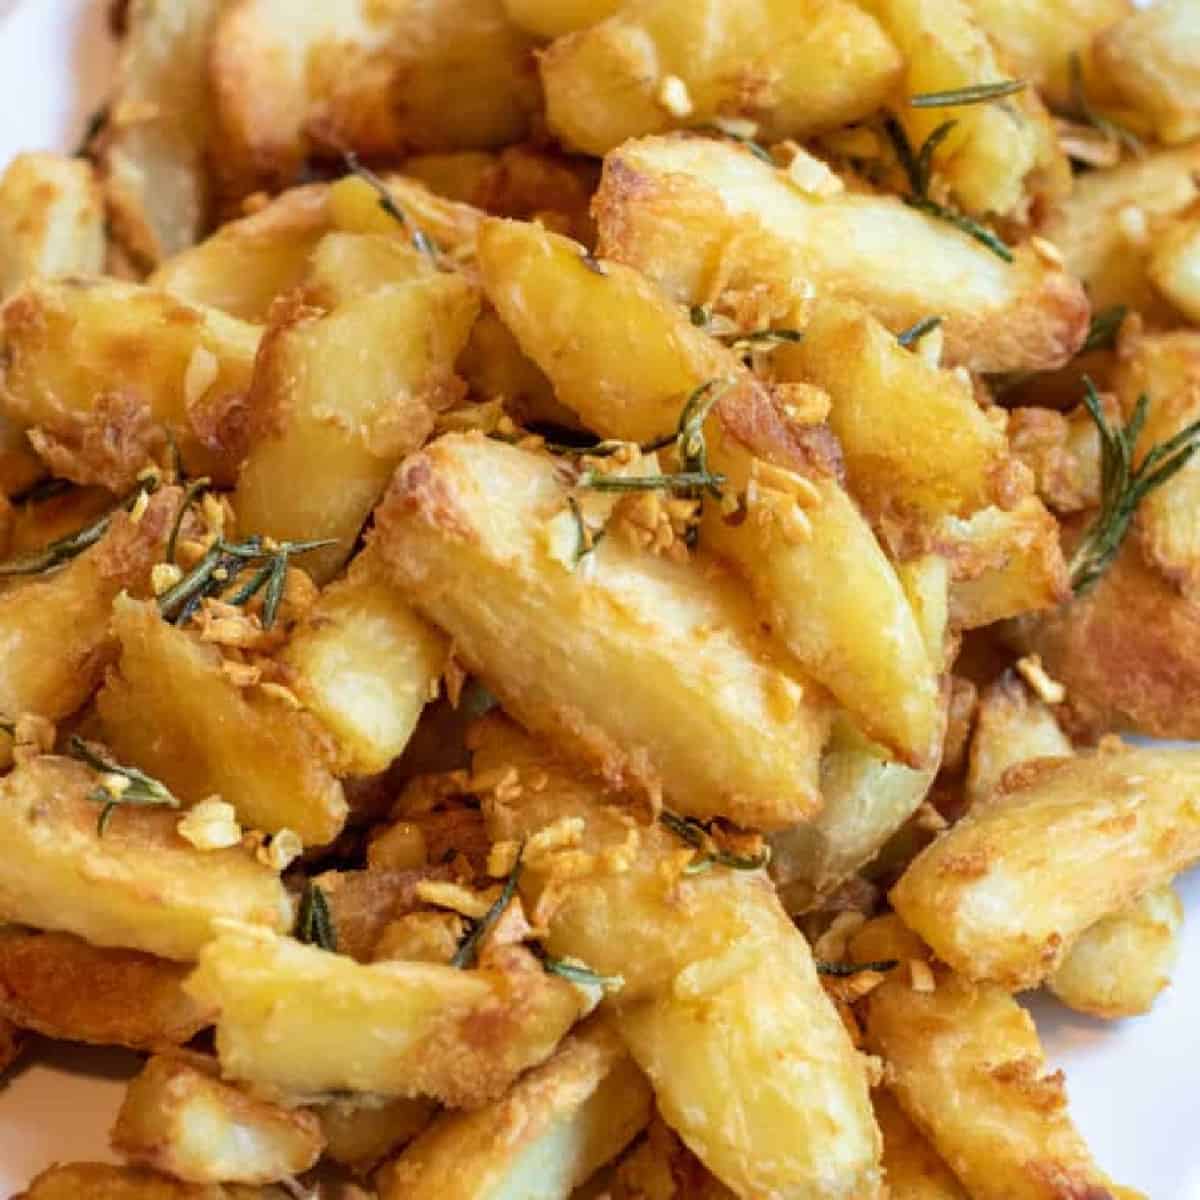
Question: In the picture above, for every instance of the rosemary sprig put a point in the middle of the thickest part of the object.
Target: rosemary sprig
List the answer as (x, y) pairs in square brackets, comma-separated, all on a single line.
[(1082, 110), (680, 481), (314, 920), (191, 493), (43, 490), (846, 970), (468, 950), (574, 973), (918, 168), (1122, 486), (741, 139), (71, 545), (980, 93), (691, 831), (909, 337), (587, 539), (420, 239), (136, 788), (1104, 327)]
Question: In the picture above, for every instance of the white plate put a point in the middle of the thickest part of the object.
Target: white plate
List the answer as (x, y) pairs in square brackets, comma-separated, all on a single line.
[(1134, 1087)]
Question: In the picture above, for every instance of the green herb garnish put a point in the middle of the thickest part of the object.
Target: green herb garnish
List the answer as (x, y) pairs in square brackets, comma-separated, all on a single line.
[(1082, 111), (909, 337), (138, 789), (420, 239), (1104, 327), (314, 920), (691, 831), (681, 481), (846, 970), (1122, 486), (980, 93), (43, 490), (190, 495), (742, 140), (468, 950), (587, 540), (574, 973)]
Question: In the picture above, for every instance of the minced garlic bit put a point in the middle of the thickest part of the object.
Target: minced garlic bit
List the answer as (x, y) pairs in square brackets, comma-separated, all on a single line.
[(920, 976), (280, 850), (164, 577), (1047, 251), (455, 897), (455, 676), (503, 782), (279, 692), (805, 403), (138, 511), (33, 736), (1134, 227), (202, 371), (241, 674), (831, 946), (564, 834), (215, 512), (1050, 691), (210, 825), (673, 95), (813, 177), (778, 495), (737, 127)]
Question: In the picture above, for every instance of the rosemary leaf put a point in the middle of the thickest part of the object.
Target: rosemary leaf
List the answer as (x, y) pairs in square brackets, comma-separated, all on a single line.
[(699, 316), (587, 540), (1104, 327), (904, 152), (190, 495), (980, 93), (846, 970), (420, 239), (43, 490), (1082, 110), (909, 337), (314, 921), (682, 481), (1122, 486), (742, 140), (468, 950), (973, 229), (926, 153), (276, 584), (694, 834), (574, 973), (140, 790)]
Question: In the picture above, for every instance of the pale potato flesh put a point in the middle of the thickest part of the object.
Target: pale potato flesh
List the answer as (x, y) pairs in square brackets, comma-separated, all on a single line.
[(1174, 267), (553, 18), (914, 1169)]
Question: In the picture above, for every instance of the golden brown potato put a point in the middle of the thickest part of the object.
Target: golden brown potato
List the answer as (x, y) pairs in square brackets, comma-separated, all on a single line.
[(210, 736), (350, 266), (156, 140), (1174, 267), (558, 1125), (1005, 893), (1128, 652), (375, 77), (100, 1181), (661, 1167), (62, 987), (1152, 58), (703, 217), (793, 67), (394, 1028), (1012, 726), (966, 1066), (12, 1042), (51, 220), (1118, 967), (242, 267), (1037, 37), (552, 18), (139, 884), (102, 370), (55, 640), (1106, 229), (363, 903), (338, 400), (913, 1168), (366, 665), (467, 532), (866, 798), (998, 155), (361, 1130), (179, 1118), (718, 1002), (827, 589)]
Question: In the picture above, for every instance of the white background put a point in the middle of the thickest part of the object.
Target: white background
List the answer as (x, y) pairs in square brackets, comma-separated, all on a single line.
[(1135, 1086)]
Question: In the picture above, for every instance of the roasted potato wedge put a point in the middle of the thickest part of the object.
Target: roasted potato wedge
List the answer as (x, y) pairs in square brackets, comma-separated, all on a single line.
[(100, 1181), (1174, 266), (661, 1167), (702, 217), (552, 18), (915, 1170), (362, 1130)]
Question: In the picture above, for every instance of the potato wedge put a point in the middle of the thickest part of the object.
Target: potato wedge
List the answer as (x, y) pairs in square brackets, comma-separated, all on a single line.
[(661, 1167), (466, 532), (338, 400), (1005, 893), (242, 267), (349, 266), (211, 737), (552, 18), (378, 78), (179, 1118), (558, 1125), (156, 141), (100, 369), (62, 987), (1108, 251), (100, 1181), (914, 1169), (55, 639), (966, 1066), (720, 1004), (1152, 58), (366, 665), (1118, 967), (363, 903), (1012, 726), (1174, 266), (829, 593), (139, 885), (361, 1130), (51, 220), (702, 217), (396, 1028)]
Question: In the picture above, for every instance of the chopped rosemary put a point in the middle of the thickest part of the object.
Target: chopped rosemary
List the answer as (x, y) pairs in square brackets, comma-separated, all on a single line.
[(588, 540), (1082, 111), (468, 950), (700, 316), (136, 788), (909, 337), (191, 493), (681, 481), (574, 973), (1104, 327), (846, 970), (70, 546), (314, 920), (43, 490), (918, 167), (980, 93), (420, 239), (1122, 486), (691, 831), (758, 151)]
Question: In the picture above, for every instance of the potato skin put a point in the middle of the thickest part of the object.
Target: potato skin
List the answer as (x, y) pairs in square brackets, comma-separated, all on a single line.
[(140, 885), (699, 216), (461, 531), (62, 987), (1005, 893), (1119, 966)]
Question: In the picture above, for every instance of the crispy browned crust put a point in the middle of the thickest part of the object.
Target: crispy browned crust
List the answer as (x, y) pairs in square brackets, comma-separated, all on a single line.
[(12, 1040), (60, 986), (100, 1181)]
